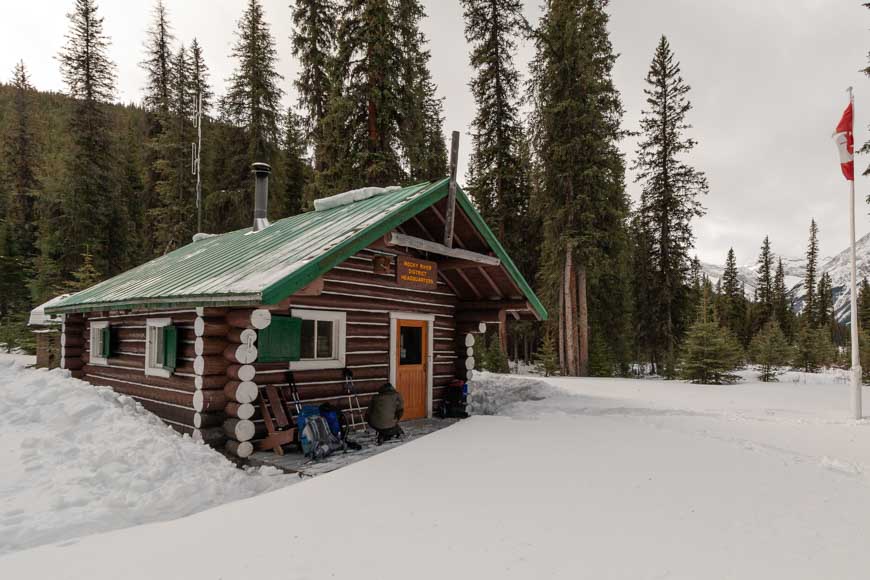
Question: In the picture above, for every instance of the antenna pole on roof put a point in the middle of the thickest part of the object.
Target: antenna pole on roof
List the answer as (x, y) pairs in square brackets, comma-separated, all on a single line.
[(451, 191), (196, 150)]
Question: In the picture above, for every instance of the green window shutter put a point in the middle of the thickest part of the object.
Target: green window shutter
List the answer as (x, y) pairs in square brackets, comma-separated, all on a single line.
[(106, 350), (170, 347), (280, 341)]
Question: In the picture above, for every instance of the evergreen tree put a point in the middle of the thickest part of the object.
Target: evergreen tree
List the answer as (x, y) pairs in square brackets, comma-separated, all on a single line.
[(577, 128), (361, 134), (19, 188), (764, 285), (253, 97), (546, 358), (669, 199), (491, 27), (493, 359), (824, 315), (420, 109), (769, 350), (86, 276), (84, 218), (313, 40), (733, 310), (710, 352), (199, 83), (782, 309), (813, 348), (158, 62), (296, 168), (809, 310)]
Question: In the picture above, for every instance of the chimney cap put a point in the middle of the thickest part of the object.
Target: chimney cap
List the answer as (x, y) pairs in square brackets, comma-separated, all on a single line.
[(260, 167)]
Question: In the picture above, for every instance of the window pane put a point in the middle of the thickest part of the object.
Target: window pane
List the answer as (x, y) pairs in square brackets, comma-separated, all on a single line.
[(324, 339), (307, 350), (411, 345)]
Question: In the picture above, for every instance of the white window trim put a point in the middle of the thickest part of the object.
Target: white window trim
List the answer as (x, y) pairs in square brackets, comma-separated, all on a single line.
[(154, 371), (96, 327), (430, 351), (338, 340)]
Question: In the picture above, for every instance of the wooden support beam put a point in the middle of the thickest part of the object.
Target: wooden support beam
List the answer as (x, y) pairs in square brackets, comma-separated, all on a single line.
[(498, 295), (397, 239), (457, 264), (505, 305)]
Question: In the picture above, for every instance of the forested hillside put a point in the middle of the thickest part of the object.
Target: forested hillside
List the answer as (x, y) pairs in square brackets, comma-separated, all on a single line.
[(90, 187)]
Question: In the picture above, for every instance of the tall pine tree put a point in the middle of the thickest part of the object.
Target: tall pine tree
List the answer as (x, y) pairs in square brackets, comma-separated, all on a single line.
[(577, 124), (669, 201), (733, 302), (782, 308), (809, 310), (764, 287), (85, 220)]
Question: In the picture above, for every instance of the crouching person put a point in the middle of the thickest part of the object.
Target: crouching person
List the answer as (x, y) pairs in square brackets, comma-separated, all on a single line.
[(384, 412)]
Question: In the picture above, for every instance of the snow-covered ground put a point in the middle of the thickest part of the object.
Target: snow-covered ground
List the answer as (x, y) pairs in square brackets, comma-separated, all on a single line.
[(77, 459), (579, 478)]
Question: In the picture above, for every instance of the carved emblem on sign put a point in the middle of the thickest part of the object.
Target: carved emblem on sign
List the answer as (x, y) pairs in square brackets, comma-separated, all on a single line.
[(416, 273)]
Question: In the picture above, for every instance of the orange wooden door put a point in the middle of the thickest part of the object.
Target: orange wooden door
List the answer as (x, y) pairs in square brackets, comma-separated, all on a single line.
[(411, 368)]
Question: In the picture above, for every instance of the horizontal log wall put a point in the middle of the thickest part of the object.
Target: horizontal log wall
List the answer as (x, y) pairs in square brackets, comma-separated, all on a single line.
[(169, 398)]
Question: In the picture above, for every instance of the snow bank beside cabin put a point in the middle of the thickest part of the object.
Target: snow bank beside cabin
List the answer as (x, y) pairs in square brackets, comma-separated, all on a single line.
[(492, 394), (352, 196), (77, 459)]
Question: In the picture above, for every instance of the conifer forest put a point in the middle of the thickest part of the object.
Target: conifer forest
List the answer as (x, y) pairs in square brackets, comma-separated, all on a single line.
[(91, 187)]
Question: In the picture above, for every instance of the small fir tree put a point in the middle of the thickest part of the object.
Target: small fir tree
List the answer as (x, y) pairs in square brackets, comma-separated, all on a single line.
[(86, 276), (769, 350), (494, 359), (813, 349), (710, 352), (547, 359), (864, 305)]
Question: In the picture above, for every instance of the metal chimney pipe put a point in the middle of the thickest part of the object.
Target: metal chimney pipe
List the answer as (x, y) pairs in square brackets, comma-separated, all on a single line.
[(261, 173)]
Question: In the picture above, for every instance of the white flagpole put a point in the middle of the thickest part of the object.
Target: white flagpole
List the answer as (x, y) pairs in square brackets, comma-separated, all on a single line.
[(857, 408)]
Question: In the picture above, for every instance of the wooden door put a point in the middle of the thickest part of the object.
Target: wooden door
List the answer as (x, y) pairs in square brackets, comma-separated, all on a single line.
[(412, 337)]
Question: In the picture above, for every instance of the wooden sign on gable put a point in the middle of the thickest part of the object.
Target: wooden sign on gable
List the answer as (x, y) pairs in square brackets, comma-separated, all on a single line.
[(416, 273)]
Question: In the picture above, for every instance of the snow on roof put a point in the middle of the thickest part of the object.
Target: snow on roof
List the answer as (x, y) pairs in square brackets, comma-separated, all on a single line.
[(38, 317), (352, 196)]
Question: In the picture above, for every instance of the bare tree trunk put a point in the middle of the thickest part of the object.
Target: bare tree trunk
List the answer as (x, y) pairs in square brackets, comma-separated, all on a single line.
[(571, 337), (583, 322), (563, 363)]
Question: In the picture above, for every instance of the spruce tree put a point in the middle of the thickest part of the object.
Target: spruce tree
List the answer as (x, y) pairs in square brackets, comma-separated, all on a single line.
[(546, 358), (733, 310), (782, 309), (158, 62), (313, 40), (296, 168), (85, 276), (199, 75), (770, 350), (90, 78), (764, 287), (576, 121), (809, 309), (813, 347), (491, 28), (361, 134), (710, 353), (824, 311), (253, 98), (669, 198)]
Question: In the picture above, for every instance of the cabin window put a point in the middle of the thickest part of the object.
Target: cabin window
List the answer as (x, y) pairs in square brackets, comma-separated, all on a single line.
[(101, 342), (161, 347), (321, 339)]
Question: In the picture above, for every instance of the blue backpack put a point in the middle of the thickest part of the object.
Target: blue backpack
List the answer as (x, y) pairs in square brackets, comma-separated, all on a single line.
[(315, 433)]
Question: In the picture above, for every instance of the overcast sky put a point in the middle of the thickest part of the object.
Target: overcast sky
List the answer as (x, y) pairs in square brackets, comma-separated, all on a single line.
[(768, 85)]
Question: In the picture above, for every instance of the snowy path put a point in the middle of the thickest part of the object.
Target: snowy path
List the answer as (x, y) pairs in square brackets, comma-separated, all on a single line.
[(602, 479)]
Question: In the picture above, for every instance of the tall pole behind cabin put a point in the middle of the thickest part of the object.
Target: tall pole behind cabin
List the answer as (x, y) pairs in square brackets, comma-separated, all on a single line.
[(451, 191), (857, 407)]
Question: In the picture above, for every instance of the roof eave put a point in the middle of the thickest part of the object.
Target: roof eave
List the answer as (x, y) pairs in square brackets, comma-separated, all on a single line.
[(161, 303)]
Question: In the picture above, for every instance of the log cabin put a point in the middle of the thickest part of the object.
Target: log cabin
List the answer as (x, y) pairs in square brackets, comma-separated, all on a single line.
[(393, 284)]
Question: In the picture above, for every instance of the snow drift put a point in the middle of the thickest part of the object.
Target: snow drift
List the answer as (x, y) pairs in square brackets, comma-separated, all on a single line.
[(490, 394), (351, 196), (78, 459)]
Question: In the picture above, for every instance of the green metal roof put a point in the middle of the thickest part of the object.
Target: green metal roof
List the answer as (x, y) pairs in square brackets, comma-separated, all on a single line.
[(245, 267)]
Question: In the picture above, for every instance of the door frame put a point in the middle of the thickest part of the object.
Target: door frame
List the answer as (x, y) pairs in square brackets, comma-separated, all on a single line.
[(430, 353)]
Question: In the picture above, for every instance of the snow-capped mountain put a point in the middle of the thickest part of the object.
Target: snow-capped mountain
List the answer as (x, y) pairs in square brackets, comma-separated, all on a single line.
[(795, 270)]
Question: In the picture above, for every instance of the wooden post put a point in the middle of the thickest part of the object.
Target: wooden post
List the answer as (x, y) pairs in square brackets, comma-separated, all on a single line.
[(451, 191), (583, 322)]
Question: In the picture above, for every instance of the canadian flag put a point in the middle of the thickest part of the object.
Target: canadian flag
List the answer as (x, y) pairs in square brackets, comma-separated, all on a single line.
[(846, 144)]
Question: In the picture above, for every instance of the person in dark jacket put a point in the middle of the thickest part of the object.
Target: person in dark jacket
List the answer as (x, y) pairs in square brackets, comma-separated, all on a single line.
[(384, 412)]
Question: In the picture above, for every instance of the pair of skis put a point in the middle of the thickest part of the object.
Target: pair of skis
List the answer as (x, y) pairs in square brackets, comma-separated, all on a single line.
[(356, 417)]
